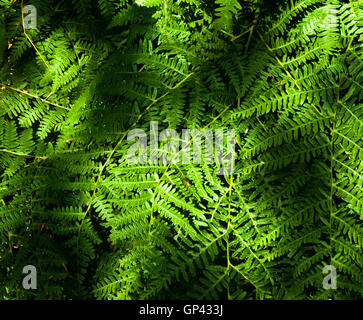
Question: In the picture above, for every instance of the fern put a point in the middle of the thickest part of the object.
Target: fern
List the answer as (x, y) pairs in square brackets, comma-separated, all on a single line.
[(287, 78)]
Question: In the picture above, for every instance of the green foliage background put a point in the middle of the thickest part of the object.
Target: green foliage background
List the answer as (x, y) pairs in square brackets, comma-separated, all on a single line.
[(286, 75)]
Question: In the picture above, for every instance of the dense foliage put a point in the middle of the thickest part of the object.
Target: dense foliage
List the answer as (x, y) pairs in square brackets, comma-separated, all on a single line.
[(285, 75)]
